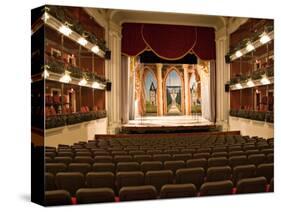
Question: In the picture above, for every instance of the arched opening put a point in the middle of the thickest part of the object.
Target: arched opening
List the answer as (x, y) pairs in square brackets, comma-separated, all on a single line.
[(150, 93), (173, 100)]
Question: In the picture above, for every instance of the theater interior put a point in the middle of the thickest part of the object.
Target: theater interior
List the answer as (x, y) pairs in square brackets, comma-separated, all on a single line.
[(138, 105)]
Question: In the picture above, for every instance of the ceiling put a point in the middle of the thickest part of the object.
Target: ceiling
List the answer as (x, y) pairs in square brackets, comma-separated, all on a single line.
[(122, 16)]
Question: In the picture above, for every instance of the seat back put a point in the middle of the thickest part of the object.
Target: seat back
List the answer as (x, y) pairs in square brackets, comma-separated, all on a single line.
[(174, 165), (159, 178), (190, 175), (217, 161), (79, 167), (161, 157), (94, 195), (55, 167), (256, 159), (205, 155), (251, 185), (182, 156), (65, 160), (100, 180), (178, 190), (218, 173), (130, 193), (151, 166), (50, 182), (192, 163), (244, 171), (123, 158), (104, 167), (103, 159), (83, 159), (141, 158), (238, 160), (70, 181), (134, 178), (127, 166), (57, 197), (266, 170), (216, 188)]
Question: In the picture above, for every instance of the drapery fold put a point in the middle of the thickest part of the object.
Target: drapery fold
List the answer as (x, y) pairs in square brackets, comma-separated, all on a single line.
[(170, 42)]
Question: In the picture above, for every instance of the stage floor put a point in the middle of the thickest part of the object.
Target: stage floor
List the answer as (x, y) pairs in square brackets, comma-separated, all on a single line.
[(168, 121)]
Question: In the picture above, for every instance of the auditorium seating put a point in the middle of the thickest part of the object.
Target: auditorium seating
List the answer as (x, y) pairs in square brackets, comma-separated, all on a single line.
[(137, 169), (94, 195)]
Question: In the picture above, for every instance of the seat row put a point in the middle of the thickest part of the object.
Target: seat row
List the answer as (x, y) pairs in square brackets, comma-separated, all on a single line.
[(146, 192), (182, 160), (197, 176)]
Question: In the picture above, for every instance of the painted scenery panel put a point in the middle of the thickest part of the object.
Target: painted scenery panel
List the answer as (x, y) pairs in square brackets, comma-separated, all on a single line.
[(150, 94)]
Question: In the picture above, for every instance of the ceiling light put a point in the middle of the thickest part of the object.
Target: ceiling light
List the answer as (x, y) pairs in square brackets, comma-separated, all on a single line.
[(45, 74), (95, 49), (65, 30), (238, 53), (45, 17), (82, 41), (250, 83), (238, 86), (83, 82), (265, 80), (264, 38), (250, 47), (66, 77)]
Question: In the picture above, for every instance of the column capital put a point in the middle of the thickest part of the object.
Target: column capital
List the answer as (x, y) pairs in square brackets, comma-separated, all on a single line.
[(159, 65)]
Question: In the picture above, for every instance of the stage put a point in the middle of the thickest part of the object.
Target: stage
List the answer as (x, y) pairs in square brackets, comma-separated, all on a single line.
[(169, 124)]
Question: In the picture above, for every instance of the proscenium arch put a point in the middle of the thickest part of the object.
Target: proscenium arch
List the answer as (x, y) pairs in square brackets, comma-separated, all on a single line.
[(168, 71), (146, 71)]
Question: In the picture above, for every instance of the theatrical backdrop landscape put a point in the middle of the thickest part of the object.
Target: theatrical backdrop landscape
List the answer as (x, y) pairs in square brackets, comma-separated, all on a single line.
[(137, 105)]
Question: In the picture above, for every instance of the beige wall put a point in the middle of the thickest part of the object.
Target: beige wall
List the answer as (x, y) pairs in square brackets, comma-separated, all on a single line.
[(76, 132), (251, 127)]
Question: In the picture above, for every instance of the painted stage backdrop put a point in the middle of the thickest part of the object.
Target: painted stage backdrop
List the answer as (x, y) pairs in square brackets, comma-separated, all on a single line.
[(150, 94), (173, 91)]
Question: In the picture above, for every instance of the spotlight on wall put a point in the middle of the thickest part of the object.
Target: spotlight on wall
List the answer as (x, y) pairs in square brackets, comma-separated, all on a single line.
[(45, 17), (82, 82), (65, 30), (265, 80), (264, 38), (250, 83), (238, 53), (65, 77), (238, 86), (97, 85), (95, 49), (45, 74), (82, 41), (250, 47)]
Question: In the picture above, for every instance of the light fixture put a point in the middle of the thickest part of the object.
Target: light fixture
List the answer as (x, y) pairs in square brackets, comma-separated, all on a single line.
[(265, 80), (96, 85), (82, 82), (95, 49), (45, 17), (238, 53), (65, 30), (238, 86), (250, 83), (250, 47), (66, 77), (45, 74), (82, 41), (264, 38)]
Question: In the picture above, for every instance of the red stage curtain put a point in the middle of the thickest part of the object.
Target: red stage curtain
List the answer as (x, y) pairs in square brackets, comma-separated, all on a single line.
[(132, 42), (170, 42), (205, 47)]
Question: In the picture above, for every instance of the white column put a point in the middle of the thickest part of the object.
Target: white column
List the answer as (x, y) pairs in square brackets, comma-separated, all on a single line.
[(114, 75), (222, 76), (186, 89), (159, 89)]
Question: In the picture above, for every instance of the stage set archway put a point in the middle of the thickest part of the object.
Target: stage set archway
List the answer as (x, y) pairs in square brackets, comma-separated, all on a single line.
[(170, 88)]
